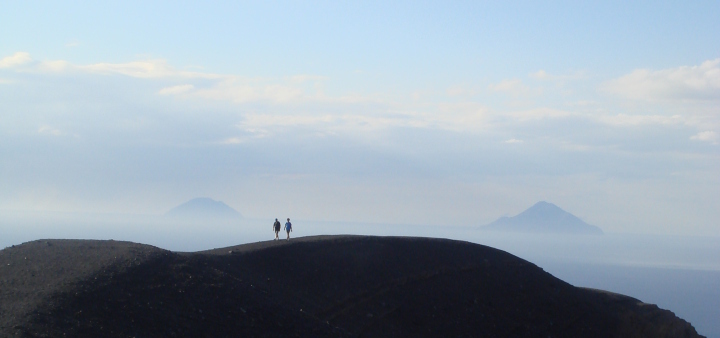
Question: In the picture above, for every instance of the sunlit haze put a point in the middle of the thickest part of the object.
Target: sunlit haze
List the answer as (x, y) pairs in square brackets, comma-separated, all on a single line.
[(440, 114)]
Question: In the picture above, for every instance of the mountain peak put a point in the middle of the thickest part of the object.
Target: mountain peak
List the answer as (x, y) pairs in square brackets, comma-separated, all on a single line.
[(544, 217), (547, 206), (203, 208)]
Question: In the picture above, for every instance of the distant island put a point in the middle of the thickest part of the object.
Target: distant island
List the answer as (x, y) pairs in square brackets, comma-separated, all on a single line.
[(203, 208), (543, 217)]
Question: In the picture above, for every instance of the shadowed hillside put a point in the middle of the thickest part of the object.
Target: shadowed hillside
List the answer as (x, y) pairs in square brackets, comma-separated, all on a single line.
[(329, 286)]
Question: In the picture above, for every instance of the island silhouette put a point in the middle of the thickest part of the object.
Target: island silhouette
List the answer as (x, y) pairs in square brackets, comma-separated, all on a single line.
[(203, 208), (543, 217)]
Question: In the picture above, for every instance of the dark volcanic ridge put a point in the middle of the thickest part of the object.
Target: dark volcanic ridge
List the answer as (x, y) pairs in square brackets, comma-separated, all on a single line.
[(544, 217), (203, 208), (328, 286)]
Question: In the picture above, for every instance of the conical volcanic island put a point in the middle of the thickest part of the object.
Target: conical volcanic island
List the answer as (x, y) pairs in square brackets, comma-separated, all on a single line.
[(544, 217)]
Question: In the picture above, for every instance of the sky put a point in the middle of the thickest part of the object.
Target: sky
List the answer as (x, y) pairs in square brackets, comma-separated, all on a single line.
[(409, 112)]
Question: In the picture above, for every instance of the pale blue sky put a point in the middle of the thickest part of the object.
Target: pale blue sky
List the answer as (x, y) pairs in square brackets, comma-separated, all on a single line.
[(438, 113)]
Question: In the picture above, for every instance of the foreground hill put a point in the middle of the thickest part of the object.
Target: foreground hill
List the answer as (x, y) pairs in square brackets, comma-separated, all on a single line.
[(330, 286), (544, 217)]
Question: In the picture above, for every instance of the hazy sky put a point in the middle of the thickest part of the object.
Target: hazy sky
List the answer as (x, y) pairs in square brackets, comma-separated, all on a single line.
[(438, 113)]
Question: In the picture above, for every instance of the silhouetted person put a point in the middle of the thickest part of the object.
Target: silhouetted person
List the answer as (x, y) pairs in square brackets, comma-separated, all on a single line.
[(288, 228), (276, 227)]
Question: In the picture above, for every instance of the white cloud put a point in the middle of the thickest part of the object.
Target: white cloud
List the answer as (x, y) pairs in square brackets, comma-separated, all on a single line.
[(539, 114), (540, 75), (545, 76), (230, 87), (232, 140), (576, 147), (263, 121), (619, 120), (282, 93), (229, 90), (22, 58), (512, 86), (54, 66), (515, 87), (709, 136), (242, 90), (683, 83), (457, 91), (48, 130), (225, 87), (263, 125), (17, 59), (142, 69), (52, 131), (307, 78), (145, 69), (513, 141), (296, 101), (460, 116), (175, 90), (462, 90), (582, 103), (636, 120)]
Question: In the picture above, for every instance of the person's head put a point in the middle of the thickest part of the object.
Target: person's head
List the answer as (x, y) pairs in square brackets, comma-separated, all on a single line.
[(288, 220), (276, 219)]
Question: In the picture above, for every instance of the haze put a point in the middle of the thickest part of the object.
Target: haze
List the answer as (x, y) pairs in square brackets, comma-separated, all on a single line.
[(435, 114)]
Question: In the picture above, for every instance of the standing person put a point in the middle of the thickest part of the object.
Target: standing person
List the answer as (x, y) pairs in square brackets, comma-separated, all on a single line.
[(288, 228), (276, 227)]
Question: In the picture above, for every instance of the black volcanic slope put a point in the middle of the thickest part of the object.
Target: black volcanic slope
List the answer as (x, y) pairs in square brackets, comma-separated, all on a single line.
[(330, 286), (544, 217)]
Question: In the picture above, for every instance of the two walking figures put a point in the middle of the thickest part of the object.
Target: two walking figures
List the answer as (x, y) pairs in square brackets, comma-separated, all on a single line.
[(288, 228)]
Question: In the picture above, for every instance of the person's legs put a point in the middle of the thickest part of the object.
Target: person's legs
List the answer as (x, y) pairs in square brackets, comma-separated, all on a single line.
[(288, 237), (276, 234)]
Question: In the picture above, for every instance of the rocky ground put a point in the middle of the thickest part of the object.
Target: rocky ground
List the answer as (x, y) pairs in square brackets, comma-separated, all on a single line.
[(327, 286)]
